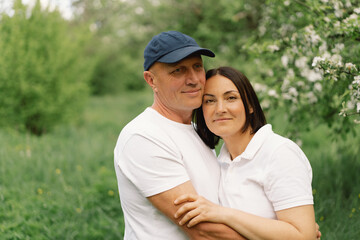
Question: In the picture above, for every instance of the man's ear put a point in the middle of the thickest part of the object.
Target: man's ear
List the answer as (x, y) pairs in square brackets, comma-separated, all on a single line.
[(150, 79)]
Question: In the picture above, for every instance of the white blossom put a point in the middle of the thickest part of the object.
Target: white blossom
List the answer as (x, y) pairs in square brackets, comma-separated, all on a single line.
[(285, 60), (318, 87), (335, 60), (311, 97), (348, 4), (323, 47), (262, 30), (299, 14), (265, 103), (338, 48), (273, 48), (300, 84), (293, 92), (350, 105), (342, 112), (350, 66), (258, 87), (338, 6), (301, 62), (357, 80), (352, 17), (338, 13), (273, 93), (290, 73), (317, 60), (312, 76), (357, 10), (312, 35), (139, 11)]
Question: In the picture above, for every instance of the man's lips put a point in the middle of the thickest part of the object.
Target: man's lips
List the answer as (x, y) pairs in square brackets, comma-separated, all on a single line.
[(191, 91)]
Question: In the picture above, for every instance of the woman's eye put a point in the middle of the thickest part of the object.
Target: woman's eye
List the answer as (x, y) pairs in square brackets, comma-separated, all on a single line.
[(207, 101), (232, 98)]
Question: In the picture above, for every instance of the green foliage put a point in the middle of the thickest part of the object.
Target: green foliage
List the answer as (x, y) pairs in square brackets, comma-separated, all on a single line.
[(44, 72), (306, 54), (300, 55), (118, 49), (68, 189)]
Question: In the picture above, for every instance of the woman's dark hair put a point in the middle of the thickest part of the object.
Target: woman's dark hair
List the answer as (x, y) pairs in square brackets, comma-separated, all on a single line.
[(255, 119)]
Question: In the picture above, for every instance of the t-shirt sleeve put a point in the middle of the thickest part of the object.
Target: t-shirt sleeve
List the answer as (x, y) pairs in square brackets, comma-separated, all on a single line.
[(152, 166), (289, 176)]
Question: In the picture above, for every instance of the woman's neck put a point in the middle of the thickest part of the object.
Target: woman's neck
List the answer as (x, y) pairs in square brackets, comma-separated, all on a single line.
[(237, 143)]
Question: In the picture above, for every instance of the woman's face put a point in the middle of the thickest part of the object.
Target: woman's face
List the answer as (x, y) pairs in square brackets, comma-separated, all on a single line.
[(223, 108)]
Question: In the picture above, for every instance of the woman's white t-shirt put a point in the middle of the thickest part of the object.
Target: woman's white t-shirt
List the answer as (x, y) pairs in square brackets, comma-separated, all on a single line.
[(272, 174)]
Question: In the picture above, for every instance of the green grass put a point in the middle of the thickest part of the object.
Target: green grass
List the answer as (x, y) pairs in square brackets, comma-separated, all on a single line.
[(63, 186)]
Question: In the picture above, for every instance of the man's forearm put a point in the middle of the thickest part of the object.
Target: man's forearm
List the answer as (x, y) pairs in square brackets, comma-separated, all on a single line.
[(215, 231)]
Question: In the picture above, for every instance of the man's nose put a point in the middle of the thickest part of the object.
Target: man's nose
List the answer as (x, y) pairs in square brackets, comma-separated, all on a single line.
[(192, 77)]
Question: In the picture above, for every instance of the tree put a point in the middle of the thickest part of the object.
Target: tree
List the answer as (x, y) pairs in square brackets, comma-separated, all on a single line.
[(44, 71), (308, 55)]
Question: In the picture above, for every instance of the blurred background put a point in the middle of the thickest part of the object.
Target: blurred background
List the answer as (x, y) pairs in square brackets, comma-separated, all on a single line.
[(71, 78)]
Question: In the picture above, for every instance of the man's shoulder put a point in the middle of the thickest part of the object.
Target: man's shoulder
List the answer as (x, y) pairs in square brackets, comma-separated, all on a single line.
[(142, 124)]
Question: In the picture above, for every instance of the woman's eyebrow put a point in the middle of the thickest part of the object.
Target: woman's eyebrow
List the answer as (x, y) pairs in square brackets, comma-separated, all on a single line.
[(231, 91), (225, 93)]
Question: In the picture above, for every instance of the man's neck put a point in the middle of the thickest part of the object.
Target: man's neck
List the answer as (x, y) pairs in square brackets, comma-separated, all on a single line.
[(183, 117)]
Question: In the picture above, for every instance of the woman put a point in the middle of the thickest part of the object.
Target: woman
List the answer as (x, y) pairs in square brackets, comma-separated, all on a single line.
[(265, 188)]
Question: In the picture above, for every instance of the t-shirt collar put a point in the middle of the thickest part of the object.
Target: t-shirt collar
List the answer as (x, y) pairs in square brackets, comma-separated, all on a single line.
[(254, 145)]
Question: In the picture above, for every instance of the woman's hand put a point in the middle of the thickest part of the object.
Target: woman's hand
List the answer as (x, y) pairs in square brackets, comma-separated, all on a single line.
[(197, 209)]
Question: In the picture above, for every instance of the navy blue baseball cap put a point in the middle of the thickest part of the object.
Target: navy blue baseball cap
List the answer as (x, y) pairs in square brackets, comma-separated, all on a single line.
[(171, 47)]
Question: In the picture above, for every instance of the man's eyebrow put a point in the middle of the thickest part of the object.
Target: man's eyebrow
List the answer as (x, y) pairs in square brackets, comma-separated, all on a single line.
[(173, 64)]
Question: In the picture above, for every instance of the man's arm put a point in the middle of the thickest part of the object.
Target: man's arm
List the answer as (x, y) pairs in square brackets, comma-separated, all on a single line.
[(165, 203)]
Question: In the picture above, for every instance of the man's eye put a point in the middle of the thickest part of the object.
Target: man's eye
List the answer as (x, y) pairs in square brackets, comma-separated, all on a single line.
[(198, 66), (178, 70)]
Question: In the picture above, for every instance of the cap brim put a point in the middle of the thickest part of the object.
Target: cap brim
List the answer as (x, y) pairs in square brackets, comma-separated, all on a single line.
[(179, 54)]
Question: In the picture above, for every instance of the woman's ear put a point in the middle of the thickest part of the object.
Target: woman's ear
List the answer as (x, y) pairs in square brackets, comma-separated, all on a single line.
[(150, 79), (251, 110)]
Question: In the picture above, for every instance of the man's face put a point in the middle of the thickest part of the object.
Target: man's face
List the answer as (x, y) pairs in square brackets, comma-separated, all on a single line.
[(179, 86)]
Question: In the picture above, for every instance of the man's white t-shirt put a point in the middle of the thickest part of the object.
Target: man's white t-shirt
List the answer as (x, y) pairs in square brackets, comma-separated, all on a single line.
[(154, 154), (272, 174)]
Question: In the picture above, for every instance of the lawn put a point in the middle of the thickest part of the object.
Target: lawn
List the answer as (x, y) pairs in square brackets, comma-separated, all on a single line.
[(62, 185)]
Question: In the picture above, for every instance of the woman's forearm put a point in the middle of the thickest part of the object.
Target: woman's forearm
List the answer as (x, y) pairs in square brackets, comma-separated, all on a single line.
[(299, 226)]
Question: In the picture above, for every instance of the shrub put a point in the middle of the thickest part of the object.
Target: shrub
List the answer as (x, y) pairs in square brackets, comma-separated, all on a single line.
[(44, 72)]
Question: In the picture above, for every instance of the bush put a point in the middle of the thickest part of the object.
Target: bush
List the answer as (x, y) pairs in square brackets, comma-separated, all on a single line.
[(44, 72)]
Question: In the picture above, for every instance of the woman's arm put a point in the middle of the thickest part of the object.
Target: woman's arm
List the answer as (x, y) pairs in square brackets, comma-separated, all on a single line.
[(204, 231), (293, 223)]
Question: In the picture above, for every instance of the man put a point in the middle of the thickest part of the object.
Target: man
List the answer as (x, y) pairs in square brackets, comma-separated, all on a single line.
[(158, 155)]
